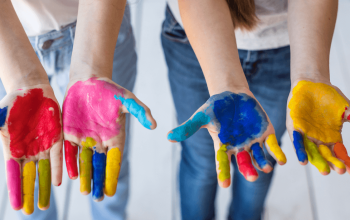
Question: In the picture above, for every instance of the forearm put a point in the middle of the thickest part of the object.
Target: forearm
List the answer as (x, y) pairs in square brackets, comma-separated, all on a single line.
[(210, 30), (19, 65), (311, 25), (96, 36)]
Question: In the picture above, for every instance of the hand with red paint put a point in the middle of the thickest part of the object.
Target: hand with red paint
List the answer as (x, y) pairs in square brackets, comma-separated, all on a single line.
[(316, 113), (238, 126), (94, 125), (31, 134)]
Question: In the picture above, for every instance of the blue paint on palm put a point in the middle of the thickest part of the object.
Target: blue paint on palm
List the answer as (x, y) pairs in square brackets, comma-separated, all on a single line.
[(259, 155), (136, 110), (241, 118), (3, 114), (184, 131), (299, 146), (99, 167)]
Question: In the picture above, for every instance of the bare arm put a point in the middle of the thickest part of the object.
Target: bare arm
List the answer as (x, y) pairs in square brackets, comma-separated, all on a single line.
[(19, 65), (311, 25), (210, 30), (96, 36)]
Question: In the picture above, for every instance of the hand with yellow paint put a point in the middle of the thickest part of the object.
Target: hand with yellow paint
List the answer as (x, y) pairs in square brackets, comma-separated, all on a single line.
[(316, 113), (31, 132), (238, 126), (94, 125)]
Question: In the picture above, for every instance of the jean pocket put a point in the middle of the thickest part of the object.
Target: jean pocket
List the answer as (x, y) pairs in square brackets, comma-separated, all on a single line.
[(172, 30)]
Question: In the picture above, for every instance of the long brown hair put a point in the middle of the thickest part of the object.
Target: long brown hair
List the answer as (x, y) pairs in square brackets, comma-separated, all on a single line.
[(243, 14)]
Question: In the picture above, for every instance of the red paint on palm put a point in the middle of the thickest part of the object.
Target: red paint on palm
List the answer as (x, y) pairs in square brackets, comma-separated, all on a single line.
[(341, 153), (245, 164), (34, 124), (71, 159)]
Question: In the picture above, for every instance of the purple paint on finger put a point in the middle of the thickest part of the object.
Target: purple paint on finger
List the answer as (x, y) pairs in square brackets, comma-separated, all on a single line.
[(14, 183), (90, 110)]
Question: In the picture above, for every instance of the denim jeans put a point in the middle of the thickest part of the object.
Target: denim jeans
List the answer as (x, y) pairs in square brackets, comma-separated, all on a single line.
[(54, 50), (268, 76)]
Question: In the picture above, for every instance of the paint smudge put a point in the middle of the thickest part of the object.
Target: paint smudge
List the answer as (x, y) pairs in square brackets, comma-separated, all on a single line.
[(316, 109), (29, 175), (114, 157), (136, 110), (315, 157), (245, 165), (186, 130), (275, 148), (90, 110), (299, 146), (327, 155), (71, 159), (34, 124), (341, 153), (99, 167), (241, 118), (44, 183), (224, 163), (14, 183), (259, 156), (3, 114)]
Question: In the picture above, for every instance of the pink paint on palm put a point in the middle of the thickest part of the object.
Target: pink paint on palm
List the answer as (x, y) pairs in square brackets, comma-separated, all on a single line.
[(90, 110), (14, 183)]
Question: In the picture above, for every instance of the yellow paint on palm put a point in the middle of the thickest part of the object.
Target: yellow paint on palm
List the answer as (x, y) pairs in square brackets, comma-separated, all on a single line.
[(315, 157), (327, 154), (29, 175), (85, 165), (114, 157), (317, 109), (44, 171), (275, 148), (224, 163)]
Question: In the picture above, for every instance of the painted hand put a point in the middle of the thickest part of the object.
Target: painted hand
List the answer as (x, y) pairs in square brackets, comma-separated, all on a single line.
[(316, 113), (94, 123), (238, 125), (31, 132)]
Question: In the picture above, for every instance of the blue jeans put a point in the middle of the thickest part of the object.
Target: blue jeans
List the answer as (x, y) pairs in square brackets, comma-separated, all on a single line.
[(268, 75), (54, 50)]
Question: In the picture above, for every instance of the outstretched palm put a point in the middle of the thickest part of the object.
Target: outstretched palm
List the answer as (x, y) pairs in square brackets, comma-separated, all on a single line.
[(238, 125), (94, 120), (316, 113)]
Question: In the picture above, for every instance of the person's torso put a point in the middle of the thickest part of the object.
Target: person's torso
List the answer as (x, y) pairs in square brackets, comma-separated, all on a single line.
[(272, 29), (42, 16)]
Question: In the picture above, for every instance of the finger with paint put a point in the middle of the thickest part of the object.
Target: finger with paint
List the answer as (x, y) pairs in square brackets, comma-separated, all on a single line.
[(316, 114), (342, 154), (275, 150), (236, 123), (30, 121)]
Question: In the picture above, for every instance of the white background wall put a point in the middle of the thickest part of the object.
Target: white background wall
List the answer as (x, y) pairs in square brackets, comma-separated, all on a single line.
[(154, 161)]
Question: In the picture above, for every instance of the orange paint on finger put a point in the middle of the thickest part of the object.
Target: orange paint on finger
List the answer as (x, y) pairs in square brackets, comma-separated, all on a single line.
[(341, 153), (245, 165)]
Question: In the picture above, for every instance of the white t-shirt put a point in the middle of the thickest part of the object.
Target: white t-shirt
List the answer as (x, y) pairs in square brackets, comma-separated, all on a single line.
[(41, 16), (271, 32)]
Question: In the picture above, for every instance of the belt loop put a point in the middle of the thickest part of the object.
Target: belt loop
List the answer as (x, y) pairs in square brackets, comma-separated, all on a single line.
[(37, 48), (248, 55)]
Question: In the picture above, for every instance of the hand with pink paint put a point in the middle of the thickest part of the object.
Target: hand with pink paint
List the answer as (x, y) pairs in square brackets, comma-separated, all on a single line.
[(94, 124), (31, 133)]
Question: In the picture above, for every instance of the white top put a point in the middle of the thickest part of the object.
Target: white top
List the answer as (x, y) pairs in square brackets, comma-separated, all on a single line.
[(271, 32), (42, 16)]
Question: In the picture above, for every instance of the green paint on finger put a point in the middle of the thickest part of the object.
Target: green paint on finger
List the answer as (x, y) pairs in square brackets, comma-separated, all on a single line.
[(44, 183), (224, 163), (315, 157)]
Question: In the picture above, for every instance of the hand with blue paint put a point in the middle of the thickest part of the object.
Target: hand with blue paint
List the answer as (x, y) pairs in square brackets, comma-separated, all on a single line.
[(238, 126), (316, 113), (94, 124)]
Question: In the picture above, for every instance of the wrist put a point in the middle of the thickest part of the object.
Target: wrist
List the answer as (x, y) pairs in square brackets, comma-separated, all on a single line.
[(310, 76), (25, 80), (84, 70)]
